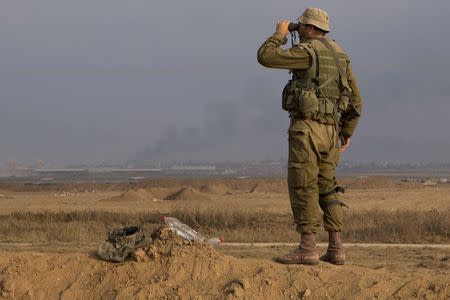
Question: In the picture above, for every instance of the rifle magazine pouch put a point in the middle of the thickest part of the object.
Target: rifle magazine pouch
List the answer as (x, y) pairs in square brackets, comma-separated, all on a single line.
[(287, 97), (326, 106), (308, 103), (343, 104)]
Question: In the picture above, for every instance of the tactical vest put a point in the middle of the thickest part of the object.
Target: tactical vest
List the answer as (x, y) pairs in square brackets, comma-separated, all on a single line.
[(321, 92)]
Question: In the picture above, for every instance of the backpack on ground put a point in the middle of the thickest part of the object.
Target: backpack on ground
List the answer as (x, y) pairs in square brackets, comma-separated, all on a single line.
[(120, 243)]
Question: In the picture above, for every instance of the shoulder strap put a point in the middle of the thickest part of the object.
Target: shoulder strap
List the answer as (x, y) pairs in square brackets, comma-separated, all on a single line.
[(342, 76), (313, 71)]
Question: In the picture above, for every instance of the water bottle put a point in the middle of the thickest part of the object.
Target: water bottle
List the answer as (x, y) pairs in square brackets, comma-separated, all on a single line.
[(182, 230)]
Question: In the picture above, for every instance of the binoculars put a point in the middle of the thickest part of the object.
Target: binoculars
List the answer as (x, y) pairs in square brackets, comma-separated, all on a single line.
[(293, 27)]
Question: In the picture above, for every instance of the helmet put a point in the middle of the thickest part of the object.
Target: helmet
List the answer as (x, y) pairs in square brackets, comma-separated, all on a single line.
[(316, 17)]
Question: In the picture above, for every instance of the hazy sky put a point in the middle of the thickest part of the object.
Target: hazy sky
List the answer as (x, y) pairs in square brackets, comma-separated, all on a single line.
[(106, 80)]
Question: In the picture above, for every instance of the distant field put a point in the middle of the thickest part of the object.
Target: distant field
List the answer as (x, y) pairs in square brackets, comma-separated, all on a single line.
[(397, 173), (234, 225), (248, 194), (241, 210)]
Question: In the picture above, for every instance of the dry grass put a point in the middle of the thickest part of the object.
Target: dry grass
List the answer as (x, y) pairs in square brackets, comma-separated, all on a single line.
[(234, 225), (399, 226)]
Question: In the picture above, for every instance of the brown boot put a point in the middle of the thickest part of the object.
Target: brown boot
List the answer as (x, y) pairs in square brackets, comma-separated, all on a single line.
[(335, 252), (305, 254)]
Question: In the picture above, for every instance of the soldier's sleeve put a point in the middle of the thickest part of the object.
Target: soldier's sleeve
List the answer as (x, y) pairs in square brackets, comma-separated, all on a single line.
[(271, 55), (350, 118)]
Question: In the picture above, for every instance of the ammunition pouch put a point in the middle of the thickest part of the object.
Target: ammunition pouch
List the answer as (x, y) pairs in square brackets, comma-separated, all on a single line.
[(305, 104), (298, 100), (343, 104), (287, 96)]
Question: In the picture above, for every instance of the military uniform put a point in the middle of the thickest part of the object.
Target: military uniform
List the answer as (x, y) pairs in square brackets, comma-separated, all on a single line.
[(322, 68)]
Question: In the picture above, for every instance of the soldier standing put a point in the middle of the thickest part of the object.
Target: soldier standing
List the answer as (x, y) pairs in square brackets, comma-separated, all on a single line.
[(324, 106)]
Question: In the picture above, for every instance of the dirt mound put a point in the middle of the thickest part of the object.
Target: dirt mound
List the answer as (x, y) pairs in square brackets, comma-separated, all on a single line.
[(166, 244), (269, 187), (160, 192), (371, 182), (187, 193), (217, 188), (134, 195), (176, 269), (4, 195)]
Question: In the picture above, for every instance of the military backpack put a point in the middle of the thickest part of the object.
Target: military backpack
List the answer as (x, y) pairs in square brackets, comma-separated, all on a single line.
[(122, 242)]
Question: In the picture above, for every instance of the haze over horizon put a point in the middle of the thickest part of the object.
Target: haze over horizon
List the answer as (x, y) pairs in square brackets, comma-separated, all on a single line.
[(107, 81)]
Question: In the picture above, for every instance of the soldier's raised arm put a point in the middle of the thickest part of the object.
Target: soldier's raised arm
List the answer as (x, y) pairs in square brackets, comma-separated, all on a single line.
[(271, 55)]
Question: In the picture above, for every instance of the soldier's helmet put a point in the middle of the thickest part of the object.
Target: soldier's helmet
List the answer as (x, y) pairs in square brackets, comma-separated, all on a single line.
[(316, 17)]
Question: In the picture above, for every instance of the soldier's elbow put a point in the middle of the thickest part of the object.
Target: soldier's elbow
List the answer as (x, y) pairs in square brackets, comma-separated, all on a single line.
[(262, 60)]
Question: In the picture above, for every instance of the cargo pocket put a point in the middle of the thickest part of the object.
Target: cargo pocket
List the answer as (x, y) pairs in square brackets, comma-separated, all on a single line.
[(298, 158), (298, 146)]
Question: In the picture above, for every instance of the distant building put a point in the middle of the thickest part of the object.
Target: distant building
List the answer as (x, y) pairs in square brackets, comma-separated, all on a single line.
[(229, 172), (193, 168), (430, 183), (60, 172)]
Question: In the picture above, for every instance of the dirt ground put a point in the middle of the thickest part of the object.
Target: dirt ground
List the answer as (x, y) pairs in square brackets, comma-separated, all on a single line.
[(176, 270)]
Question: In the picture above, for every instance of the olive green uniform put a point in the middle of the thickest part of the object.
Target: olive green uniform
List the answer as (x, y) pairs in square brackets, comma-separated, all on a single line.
[(313, 142)]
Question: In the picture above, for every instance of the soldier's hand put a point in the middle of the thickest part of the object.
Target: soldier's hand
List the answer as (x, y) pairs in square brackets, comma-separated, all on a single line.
[(282, 27), (345, 143)]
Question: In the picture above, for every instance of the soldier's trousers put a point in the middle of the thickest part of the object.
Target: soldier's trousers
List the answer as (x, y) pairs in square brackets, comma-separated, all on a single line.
[(313, 157)]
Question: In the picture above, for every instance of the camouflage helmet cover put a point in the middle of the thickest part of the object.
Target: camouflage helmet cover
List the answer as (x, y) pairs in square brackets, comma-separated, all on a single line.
[(316, 17)]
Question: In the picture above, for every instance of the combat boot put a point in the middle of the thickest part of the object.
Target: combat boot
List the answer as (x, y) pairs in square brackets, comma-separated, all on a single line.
[(305, 254), (335, 252)]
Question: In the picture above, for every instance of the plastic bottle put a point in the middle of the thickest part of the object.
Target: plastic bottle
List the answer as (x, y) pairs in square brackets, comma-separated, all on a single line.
[(182, 230)]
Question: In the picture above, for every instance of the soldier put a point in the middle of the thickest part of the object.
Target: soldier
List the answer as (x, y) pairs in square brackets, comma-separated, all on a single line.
[(324, 106)]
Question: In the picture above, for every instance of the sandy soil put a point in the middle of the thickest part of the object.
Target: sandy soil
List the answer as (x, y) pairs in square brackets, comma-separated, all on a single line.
[(173, 269)]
